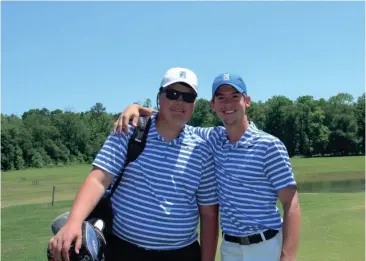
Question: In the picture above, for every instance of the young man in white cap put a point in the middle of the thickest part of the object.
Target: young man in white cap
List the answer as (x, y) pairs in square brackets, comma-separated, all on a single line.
[(163, 193), (253, 171)]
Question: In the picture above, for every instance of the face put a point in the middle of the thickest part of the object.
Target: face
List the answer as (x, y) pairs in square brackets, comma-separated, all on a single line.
[(230, 105), (177, 112)]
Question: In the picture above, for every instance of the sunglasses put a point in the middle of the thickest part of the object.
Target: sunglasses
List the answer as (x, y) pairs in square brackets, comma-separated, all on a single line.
[(174, 95)]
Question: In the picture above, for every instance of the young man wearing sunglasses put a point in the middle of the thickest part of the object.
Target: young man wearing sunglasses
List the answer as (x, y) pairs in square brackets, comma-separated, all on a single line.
[(253, 171), (163, 194)]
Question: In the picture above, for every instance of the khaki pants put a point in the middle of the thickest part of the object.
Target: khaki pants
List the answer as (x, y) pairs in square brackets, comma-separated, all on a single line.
[(269, 250)]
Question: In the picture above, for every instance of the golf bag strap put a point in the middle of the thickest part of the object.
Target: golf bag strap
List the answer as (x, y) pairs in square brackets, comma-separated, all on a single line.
[(136, 145)]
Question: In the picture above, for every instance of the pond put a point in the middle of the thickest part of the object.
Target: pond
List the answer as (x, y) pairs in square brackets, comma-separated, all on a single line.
[(334, 186)]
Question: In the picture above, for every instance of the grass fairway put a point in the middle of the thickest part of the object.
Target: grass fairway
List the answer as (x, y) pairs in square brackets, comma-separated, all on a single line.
[(330, 168), (35, 185), (332, 228), (26, 230), (333, 224)]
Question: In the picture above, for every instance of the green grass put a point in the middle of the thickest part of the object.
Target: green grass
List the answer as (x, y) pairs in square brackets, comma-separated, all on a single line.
[(26, 230), (328, 168), (36, 185), (332, 228), (332, 223)]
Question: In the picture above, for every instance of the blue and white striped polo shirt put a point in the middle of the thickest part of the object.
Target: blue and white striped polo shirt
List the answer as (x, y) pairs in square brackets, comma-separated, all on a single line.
[(249, 174), (156, 204)]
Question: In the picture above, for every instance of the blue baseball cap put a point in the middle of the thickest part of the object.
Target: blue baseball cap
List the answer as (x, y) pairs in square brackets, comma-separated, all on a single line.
[(231, 79)]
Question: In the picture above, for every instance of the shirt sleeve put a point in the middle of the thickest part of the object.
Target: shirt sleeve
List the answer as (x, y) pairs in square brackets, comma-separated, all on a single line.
[(203, 133), (112, 155), (207, 190), (277, 166), (209, 135)]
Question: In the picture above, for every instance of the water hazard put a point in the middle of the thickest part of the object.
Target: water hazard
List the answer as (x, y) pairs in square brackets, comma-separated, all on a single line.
[(333, 186)]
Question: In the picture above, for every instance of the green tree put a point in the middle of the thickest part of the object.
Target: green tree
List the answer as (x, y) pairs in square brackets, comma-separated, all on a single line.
[(280, 121), (147, 103), (360, 119), (202, 115), (341, 121), (257, 113), (306, 126), (318, 132), (305, 106)]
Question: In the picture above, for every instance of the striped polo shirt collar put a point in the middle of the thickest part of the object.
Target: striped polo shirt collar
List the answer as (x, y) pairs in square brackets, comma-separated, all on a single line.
[(154, 134), (246, 141)]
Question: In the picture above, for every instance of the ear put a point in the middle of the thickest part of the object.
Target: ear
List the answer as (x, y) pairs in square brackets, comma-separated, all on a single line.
[(247, 101), (212, 104), (158, 101)]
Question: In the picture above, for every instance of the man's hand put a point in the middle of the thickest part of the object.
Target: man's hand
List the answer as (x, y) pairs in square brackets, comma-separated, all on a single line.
[(59, 245), (132, 112), (89, 194)]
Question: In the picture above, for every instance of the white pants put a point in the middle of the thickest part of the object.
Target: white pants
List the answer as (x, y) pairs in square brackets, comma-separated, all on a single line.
[(269, 250)]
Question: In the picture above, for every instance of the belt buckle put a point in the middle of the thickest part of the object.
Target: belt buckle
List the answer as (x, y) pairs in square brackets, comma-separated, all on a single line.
[(244, 241)]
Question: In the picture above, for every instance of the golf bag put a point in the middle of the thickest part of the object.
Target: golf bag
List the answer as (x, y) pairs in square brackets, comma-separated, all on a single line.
[(98, 225)]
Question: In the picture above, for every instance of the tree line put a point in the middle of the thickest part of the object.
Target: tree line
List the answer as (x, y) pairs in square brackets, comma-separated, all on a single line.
[(307, 126)]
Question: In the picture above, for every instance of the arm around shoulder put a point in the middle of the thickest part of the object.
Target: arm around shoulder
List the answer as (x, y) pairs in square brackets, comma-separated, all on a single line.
[(132, 112)]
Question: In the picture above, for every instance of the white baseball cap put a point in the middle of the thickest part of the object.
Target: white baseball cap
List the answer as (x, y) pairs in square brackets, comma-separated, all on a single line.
[(177, 74)]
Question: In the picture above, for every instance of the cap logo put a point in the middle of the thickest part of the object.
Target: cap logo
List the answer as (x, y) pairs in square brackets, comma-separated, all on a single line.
[(182, 74), (226, 76)]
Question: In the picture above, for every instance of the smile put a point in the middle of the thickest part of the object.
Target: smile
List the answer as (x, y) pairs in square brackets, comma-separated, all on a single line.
[(229, 112), (178, 110)]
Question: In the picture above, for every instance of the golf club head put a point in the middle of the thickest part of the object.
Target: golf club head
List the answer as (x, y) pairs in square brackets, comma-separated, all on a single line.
[(93, 240), (59, 222)]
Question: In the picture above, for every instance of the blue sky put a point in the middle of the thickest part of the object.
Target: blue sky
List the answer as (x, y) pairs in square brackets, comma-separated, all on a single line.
[(70, 55)]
